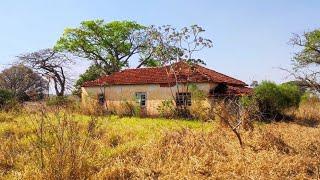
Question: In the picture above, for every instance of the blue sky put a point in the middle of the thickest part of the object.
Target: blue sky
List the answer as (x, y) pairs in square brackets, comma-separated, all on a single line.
[(250, 37)]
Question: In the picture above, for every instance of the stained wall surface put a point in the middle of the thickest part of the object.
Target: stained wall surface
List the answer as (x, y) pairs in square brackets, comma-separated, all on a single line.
[(117, 96)]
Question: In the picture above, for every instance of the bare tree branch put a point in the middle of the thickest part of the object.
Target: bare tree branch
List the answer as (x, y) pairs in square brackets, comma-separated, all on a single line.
[(50, 64)]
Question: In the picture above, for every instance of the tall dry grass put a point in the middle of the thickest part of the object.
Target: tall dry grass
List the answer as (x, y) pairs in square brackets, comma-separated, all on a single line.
[(308, 112), (60, 144), (275, 151)]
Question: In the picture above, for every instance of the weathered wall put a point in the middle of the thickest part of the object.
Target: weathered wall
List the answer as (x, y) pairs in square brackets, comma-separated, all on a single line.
[(117, 95)]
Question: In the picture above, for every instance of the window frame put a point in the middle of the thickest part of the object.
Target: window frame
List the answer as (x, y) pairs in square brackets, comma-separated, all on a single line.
[(183, 99), (101, 99), (141, 101)]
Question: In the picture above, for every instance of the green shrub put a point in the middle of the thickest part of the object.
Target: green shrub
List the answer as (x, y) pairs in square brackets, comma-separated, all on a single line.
[(22, 97), (272, 99), (6, 97), (290, 95)]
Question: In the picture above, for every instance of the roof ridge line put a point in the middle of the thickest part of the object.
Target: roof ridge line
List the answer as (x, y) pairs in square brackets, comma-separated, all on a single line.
[(220, 73), (142, 68)]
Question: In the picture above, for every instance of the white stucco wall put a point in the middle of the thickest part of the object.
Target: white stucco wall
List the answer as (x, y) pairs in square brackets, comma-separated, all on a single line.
[(116, 95)]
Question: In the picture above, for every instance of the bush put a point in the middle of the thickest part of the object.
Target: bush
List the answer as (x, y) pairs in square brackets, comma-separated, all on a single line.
[(272, 99), (250, 110), (6, 97), (130, 109), (93, 108), (166, 109), (200, 108), (22, 97), (290, 95)]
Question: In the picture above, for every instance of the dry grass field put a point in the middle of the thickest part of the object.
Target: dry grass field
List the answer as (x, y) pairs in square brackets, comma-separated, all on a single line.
[(65, 145)]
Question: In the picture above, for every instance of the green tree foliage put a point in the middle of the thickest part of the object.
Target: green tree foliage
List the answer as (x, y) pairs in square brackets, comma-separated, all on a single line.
[(307, 59), (272, 99), (108, 45), (291, 95), (310, 43), (92, 73)]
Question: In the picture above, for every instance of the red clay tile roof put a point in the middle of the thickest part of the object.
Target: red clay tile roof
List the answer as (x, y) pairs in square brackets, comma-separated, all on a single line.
[(239, 91), (232, 91), (164, 75)]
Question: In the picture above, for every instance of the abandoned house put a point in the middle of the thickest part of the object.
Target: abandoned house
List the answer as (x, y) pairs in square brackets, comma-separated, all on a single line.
[(150, 87)]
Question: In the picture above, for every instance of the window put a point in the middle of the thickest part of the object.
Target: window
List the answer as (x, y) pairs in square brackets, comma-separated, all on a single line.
[(141, 98), (183, 99), (101, 99)]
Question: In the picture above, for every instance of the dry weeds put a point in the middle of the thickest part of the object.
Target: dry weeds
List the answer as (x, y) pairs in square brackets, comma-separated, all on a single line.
[(63, 146)]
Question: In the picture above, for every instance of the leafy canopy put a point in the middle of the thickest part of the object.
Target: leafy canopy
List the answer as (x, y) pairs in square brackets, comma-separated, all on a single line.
[(92, 73), (310, 43), (307, 59), (108, 45)]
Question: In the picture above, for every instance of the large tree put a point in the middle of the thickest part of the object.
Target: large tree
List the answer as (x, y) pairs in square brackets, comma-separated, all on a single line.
[(51, 65), (108, 45), (307, 59), (23, 82)]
